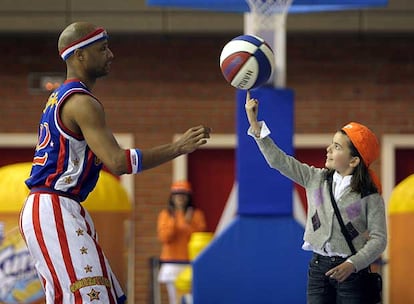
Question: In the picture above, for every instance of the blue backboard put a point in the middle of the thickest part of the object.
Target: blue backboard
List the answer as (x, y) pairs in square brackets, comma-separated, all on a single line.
[(241, 6)]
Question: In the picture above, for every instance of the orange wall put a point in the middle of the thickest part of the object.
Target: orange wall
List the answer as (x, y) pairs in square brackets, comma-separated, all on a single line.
[(161, 85)]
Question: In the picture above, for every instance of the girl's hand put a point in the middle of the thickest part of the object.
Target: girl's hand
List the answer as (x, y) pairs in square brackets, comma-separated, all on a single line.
[(252, 109), (341, 272)]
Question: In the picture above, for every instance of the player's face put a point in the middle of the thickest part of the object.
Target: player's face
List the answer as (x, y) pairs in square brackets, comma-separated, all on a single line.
[(338, 154), (99, 59)]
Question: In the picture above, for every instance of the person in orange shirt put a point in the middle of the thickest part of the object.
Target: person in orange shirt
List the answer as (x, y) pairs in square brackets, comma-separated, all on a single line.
[(175, 226)]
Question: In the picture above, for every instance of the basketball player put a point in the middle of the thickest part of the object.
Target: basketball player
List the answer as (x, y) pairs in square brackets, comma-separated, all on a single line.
[(74, 142)]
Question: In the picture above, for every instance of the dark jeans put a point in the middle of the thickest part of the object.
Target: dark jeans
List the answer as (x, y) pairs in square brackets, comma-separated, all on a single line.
[(324, 290)]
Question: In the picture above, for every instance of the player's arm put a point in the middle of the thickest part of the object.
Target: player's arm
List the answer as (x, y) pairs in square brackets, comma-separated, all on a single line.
[(85, 115)]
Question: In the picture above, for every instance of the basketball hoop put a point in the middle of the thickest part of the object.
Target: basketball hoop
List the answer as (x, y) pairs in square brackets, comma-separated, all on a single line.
[(267, 18)]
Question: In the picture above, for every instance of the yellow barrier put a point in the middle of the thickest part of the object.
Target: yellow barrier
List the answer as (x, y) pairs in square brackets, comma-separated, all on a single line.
[(401, 248), (198, 241)]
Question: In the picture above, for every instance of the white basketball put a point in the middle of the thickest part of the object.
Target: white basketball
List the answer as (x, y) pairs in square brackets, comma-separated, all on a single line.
[(247, 62)]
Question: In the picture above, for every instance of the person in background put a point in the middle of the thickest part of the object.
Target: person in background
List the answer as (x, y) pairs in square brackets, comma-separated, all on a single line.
[(175, 226), (335, 275)]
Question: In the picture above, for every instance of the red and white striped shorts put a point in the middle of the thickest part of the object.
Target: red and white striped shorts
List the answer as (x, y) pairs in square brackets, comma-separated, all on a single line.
[(62, 240)]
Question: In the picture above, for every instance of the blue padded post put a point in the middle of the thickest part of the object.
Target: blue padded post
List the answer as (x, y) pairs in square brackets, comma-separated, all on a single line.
[(260, 186), (258, 258)]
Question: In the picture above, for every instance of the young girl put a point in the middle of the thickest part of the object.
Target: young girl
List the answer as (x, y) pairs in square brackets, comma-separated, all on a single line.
[(334, 274), (175, 226)]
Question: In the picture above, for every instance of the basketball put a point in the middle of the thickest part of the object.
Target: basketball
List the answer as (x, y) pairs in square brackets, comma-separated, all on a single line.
[(247, 62)]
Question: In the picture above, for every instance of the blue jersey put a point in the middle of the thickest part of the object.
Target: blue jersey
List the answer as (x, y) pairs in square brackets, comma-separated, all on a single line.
[(63, 162)]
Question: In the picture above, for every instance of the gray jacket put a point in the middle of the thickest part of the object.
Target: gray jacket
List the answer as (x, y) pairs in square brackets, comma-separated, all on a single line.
[(364, 217)]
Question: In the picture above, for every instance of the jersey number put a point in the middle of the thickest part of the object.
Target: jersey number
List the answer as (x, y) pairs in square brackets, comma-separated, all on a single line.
[(43, 142)]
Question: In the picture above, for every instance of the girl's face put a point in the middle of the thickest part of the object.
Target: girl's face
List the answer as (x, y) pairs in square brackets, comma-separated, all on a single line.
[(180, 200), (338, 156)]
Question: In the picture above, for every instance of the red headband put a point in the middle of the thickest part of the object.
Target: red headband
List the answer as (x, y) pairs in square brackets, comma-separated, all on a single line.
[(96, 35)]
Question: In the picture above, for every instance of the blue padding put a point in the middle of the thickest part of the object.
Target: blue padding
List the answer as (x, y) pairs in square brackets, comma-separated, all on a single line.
[(260, 186), (257, 259), (298, 6)]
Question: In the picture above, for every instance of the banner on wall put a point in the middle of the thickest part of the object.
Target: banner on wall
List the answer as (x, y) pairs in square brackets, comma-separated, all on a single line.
[(19, 283)]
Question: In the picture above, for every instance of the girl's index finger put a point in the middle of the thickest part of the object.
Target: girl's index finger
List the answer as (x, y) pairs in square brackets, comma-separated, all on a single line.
[(247, 95)]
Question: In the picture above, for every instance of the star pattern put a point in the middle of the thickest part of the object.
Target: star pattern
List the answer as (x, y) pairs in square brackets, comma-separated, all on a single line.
[(97, 161), (84, 250), (93, 295), (68, 180), (88, 268), (79, 232)]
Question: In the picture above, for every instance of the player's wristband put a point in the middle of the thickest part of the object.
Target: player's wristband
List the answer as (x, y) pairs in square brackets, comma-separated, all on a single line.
[(134, 160)]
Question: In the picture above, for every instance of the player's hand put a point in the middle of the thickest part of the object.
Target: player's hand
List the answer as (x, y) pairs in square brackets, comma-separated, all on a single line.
[(341, 272), (192, 139)]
